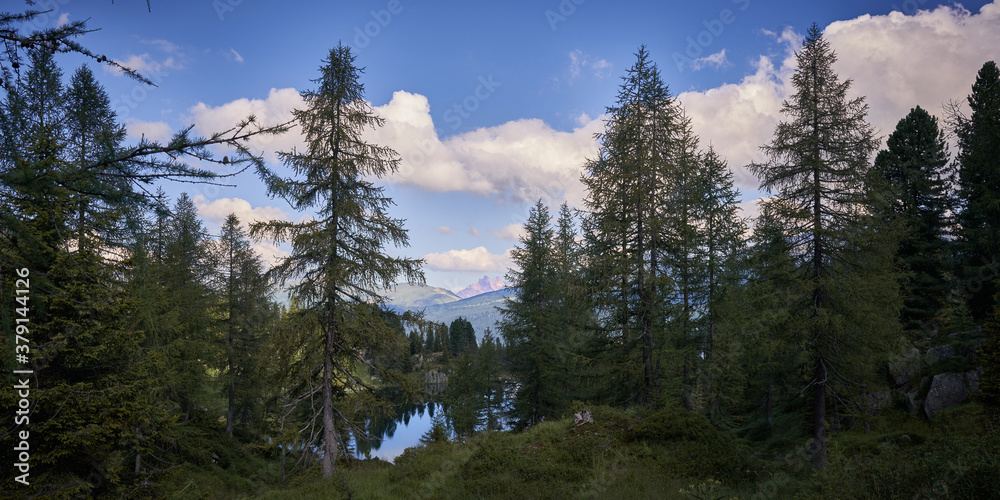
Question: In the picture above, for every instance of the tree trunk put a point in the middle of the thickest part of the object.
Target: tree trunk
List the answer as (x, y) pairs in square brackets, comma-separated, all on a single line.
[(819, 416)]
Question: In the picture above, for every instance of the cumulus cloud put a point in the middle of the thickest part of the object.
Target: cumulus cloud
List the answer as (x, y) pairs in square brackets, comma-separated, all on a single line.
[(475, 232), (478, 259), (63, 20), (215, 212), (900, 61), (154, 131), (510, 232), (276, 108), (889, 58), (737, 118), (716, 60), (520, 160)]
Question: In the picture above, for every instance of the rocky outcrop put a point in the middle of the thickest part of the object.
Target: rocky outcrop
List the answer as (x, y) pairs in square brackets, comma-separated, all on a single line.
[(904, 369), (583, 417), (939, 353), (435, 377), (947, 390)]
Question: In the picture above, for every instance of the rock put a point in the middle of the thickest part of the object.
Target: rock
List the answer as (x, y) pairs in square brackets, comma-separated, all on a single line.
[(903, 369), (913, 403), (973, 378), (584, 417), (939, 353), (947, 390), (435, 377), (877, 401)]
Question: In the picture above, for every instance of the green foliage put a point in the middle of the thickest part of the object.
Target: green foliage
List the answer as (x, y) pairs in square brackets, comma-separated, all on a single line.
[(843, 274), (979, 190), (910, 187)]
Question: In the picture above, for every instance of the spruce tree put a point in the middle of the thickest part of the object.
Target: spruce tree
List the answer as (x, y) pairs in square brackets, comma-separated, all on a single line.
[(528, 326), (816, 167), (339, 255), (912, 183), (979, 191)]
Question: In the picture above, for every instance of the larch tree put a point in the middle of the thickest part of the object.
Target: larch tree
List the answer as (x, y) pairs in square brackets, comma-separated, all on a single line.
[(623, 223), (816, 168), (244, 309), (338, 257)]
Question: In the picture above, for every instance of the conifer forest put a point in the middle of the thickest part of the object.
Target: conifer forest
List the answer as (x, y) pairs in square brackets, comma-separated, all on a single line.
[(661, 337)]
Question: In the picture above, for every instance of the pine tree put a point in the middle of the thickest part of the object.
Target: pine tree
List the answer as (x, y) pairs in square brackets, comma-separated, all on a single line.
[(913, 193), (817, 163), (979, 190), (339, 255)]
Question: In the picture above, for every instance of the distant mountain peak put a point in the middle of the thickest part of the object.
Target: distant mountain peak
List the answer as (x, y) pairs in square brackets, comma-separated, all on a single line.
[(485, 284)]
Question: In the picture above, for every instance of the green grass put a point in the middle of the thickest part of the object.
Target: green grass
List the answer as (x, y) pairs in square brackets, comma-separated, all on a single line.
[(670, 453)]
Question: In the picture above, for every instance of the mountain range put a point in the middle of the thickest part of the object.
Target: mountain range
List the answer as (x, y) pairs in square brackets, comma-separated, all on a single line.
[(485, 284), (443, 306)]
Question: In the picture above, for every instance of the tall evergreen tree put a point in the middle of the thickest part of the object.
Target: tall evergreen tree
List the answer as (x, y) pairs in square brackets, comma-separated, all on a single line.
[(979, 191), (912, 186), (625, 197), (528, 325), (244, 310), (339, 255), (817, 163)]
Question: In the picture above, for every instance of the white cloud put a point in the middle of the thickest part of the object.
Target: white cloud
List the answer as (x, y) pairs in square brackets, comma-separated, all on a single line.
[(443, 230), (578, 61), (215, 212), (478, 259), (63, 20), (276, 108), (510, 232), (716, 60), (737, 118), (520, 160), (146, 65), (236, 56), (899, 61), (154, 131), (475, 232)]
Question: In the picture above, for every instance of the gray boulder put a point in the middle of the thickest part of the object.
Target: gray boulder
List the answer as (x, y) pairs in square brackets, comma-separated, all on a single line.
[(947, 390), (973, 378), (905, 367), (875, 402), (939, 353)]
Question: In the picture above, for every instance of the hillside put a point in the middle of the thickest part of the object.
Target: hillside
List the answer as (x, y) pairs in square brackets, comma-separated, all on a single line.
[(416, 297), (479, 310)]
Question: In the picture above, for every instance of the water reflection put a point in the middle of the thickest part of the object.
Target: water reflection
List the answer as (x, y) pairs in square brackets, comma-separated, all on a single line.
[(465, 412)]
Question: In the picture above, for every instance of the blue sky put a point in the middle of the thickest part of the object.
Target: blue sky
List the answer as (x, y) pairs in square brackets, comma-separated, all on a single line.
[(493, 105)]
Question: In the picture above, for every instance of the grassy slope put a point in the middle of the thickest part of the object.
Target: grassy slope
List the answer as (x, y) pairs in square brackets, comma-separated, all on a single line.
[(626, 454)]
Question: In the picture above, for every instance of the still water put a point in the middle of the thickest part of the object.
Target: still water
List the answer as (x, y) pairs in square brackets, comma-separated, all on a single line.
[(463, 414)]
